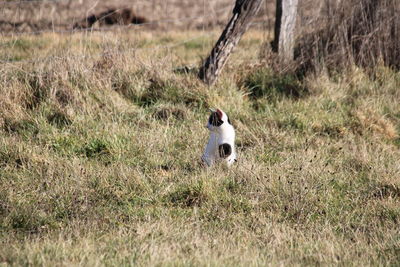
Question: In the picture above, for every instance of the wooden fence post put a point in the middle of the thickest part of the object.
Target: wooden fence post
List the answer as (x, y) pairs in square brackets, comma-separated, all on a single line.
[(285, 24), (243, 12)]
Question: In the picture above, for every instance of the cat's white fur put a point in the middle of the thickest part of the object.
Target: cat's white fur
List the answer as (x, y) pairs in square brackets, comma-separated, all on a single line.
[(220, 135)]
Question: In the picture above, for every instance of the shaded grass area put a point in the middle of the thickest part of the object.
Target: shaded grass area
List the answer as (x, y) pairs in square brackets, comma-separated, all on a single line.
[(100, 164)]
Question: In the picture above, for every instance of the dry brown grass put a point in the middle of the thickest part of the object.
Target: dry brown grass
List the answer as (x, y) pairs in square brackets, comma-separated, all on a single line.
[(361, 32)]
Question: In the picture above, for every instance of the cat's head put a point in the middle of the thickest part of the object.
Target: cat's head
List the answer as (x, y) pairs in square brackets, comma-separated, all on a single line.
[(217, 119)]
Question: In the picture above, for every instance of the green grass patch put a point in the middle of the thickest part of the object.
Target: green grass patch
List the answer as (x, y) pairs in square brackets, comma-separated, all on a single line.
[(264, 83)]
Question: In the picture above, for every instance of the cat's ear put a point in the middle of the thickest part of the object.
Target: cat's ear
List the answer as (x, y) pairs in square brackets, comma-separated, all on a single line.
[(219, 113)]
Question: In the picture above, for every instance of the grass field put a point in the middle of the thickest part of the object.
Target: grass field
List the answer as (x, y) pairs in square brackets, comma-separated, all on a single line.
[(100, 149)]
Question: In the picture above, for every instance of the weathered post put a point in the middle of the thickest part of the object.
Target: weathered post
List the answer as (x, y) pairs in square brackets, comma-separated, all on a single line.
[(285, 24), (243, 12), (277, 27)]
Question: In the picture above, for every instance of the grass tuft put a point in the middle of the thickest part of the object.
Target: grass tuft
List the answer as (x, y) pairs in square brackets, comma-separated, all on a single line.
[(264, 83), (96, 147), (59, 119), (188, 195)]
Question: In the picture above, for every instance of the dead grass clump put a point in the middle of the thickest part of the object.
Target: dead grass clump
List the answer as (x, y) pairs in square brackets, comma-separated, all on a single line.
[(385, 191), (48, 86), (59, 118), (188, 195), (172, 91), (23, 219), (128, 84), (19, 126), (65, 95), (334, 131), (12, 157), (106, 63), (165, 113), (370, 121), (11, 111), (364, 32), (39, 86), (156, 90)]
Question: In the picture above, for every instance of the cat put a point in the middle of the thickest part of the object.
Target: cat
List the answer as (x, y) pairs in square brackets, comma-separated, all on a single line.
[(221, 144)]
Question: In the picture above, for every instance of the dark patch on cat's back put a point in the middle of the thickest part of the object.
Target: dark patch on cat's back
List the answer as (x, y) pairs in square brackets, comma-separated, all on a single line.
[(225, 150), (214, 120)]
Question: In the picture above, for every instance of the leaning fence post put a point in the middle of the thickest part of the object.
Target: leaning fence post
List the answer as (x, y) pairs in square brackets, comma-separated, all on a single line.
[(243, 12)]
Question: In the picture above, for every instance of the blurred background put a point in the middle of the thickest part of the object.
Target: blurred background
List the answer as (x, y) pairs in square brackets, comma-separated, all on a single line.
[(62, 15)]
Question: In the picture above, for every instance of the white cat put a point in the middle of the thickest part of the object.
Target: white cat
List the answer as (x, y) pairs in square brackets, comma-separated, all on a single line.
[(221, 145)]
